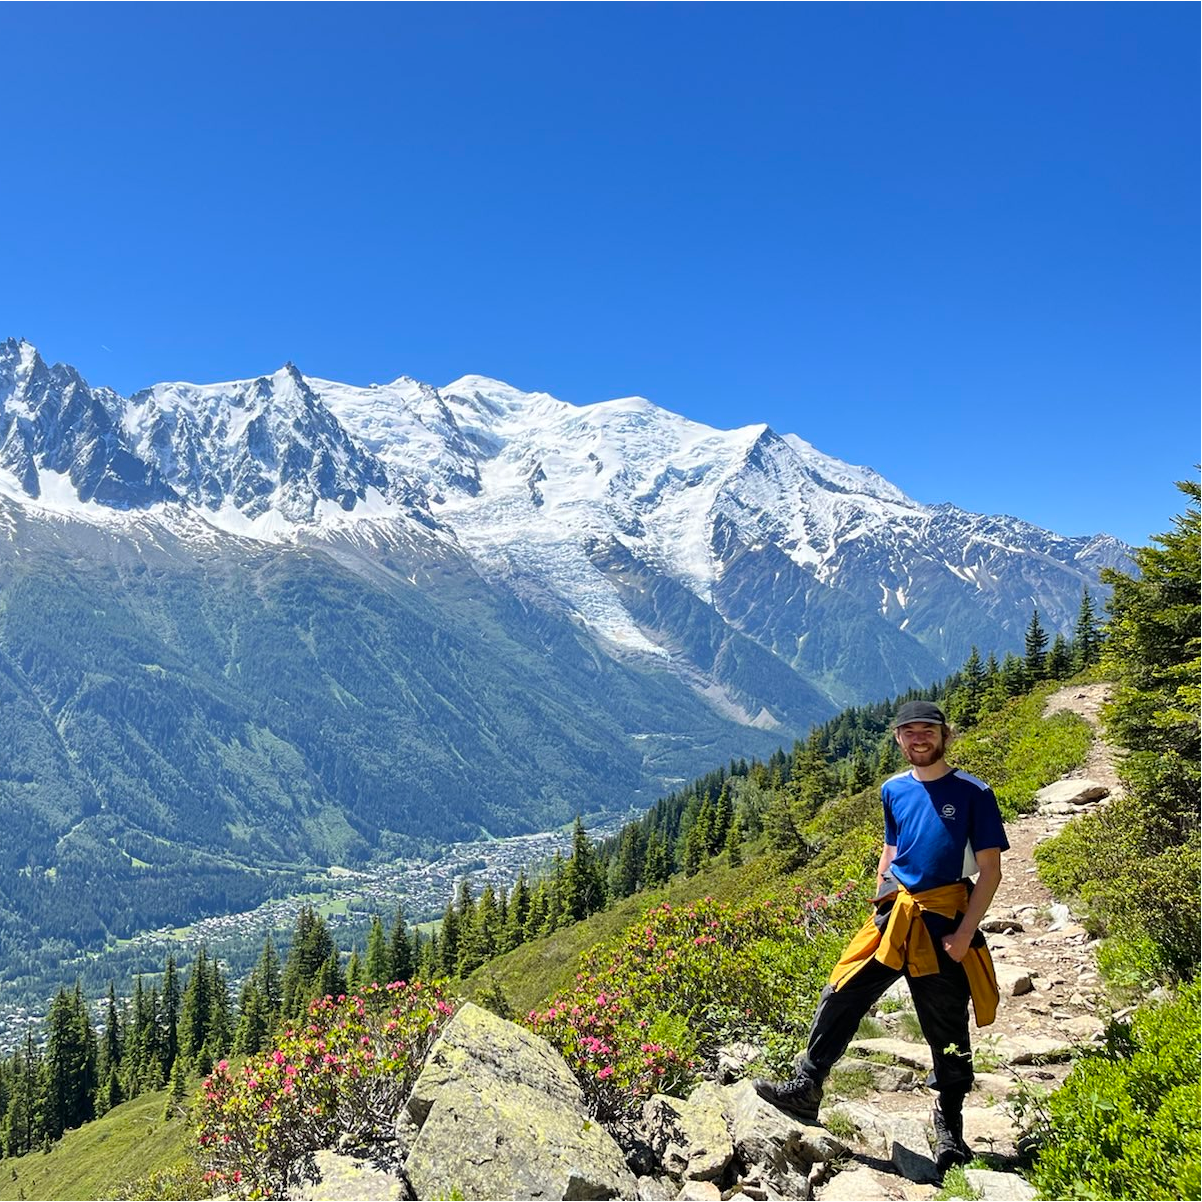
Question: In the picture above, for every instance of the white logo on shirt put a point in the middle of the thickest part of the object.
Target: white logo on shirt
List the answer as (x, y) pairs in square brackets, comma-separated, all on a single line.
[(949, 811)]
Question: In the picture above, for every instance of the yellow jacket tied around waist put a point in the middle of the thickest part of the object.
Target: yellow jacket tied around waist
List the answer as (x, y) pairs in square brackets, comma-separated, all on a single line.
[(906, 943)]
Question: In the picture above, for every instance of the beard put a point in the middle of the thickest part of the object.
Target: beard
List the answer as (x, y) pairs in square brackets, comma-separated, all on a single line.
[(924, 758)]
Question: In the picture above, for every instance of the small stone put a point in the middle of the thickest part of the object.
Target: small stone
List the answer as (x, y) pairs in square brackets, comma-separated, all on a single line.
[(1001, 926), (1000, 1187), (655, 1189), (699, 1191), (1072, 792), (1013, 981), (852, 1185)]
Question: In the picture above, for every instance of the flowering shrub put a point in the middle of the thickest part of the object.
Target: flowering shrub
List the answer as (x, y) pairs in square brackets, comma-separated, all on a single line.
[(645, 1016), (344, 1071)]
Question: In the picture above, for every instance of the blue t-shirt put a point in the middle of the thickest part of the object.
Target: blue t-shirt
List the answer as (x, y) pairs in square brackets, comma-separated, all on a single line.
[(937, 824)]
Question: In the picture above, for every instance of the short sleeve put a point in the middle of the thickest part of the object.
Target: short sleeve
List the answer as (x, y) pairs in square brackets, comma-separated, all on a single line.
[(985, 824), (890, 825)]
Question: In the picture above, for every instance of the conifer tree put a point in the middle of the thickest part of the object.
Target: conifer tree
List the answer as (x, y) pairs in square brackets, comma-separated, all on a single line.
[(195, 1009), (694, 853), (657, 867), (311, 949), (734, 842), (331, 980), (783, 834), (996, 691), (627, 870), (513, 933), (1014, 675), (537, 915), (109, 1056), (859, 772), (1059, 664), (968, 697), (178, 1091), (377, 966), (1035, 643), (583, 888), (253, 1028), (170, 1003), (401, 960), (270, 982), (1087, 638), (355, 972), (69, 1065), (1152, 651), (448, 942), (811, 782)]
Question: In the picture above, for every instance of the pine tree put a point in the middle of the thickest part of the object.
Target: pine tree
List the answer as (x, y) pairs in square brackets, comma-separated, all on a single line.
[(734, 842), (170, 1004), (69, 1065), (1087, 638), (268, 976), (513, 933), (355, 981), (1152, 652), (109, 1058), (583, 885), (448, 942), (859, 773), (195, 1008), (401, 960), (694, 853), (996, 693), (251, 1033), (723, 815), (1014, 675), (627, 871), (967, 699), (377, 966), (657, 867), (783, 834), (311, 948), (178, 1091), (1035, 643), (1059, 663), (811, 782)]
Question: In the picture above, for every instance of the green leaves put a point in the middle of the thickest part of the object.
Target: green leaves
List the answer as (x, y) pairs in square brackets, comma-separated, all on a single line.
[(1125, 1124)]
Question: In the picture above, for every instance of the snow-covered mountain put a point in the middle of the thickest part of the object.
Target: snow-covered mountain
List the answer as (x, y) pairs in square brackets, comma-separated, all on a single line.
[(827, 567), (253, 626)]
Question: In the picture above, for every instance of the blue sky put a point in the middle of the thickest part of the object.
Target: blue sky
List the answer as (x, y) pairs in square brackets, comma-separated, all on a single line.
[(958, 243)]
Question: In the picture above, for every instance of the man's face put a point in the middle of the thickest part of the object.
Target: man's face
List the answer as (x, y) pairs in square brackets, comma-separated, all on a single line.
[(921, 742)]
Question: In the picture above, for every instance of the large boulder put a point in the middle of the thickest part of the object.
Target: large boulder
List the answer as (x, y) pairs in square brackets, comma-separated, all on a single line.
[(496, 1113)]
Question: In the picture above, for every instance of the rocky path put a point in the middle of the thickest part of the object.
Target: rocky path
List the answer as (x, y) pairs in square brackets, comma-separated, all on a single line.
[(1051, 1000)]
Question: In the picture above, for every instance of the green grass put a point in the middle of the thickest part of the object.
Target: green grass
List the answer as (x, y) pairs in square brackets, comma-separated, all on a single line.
[(532, 974), (101, 1159), (1017, 751)]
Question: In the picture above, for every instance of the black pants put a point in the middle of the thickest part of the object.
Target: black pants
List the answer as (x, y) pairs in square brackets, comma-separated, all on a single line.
[(940, 1000)]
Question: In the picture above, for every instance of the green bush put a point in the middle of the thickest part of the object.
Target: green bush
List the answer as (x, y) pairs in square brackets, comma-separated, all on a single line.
[(343, 1074), (1126, 1122), (1017, 751), (1131, 889), (647, 1014)]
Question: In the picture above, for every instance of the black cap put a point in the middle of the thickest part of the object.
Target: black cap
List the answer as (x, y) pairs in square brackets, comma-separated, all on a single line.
[(919, 711)]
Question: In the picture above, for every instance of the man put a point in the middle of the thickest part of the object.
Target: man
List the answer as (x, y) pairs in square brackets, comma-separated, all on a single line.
[(942, 826)]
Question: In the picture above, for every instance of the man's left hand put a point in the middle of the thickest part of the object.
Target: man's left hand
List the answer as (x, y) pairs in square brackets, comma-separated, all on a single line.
[(957, 943)]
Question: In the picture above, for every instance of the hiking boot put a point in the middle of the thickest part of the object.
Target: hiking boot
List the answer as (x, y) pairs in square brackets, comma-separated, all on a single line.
[(950, 1148), (798, 1098)]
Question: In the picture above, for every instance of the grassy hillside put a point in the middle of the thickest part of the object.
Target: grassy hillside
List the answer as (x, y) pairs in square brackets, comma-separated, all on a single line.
[(101, 1159)]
